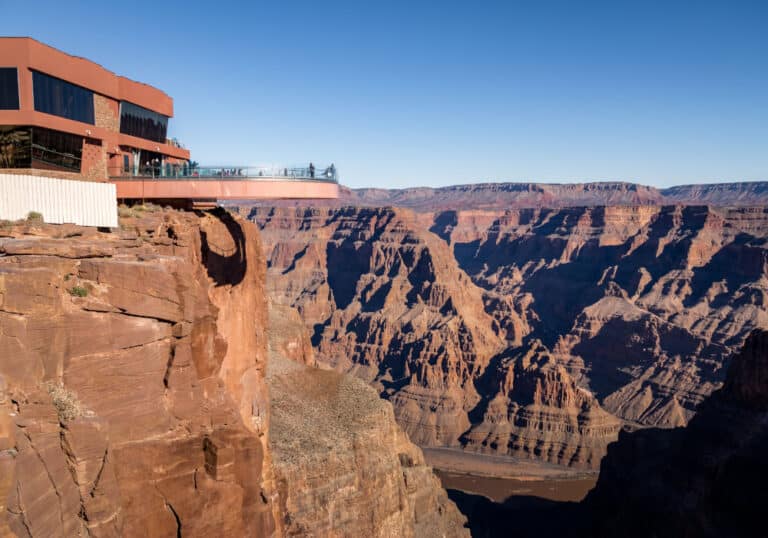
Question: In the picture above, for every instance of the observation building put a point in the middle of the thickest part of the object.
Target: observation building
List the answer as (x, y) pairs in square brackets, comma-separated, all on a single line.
[(68, 124)]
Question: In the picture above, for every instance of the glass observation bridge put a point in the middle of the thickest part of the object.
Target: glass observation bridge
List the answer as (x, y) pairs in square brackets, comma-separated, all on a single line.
[(210, 183)]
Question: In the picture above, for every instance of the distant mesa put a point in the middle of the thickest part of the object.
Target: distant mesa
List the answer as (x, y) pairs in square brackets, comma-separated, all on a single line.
[(500, 196)]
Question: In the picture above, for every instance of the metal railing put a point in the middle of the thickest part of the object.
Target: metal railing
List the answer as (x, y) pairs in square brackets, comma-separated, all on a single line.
[(172, 171), (49, 156)]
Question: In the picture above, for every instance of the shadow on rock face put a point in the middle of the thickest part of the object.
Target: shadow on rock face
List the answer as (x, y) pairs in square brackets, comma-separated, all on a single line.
[(444, 224), (223, 249)]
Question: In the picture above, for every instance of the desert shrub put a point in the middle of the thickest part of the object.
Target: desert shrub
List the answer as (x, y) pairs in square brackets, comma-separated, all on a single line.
[(124, 211), (34, 216), (78, 291), (65, 401)]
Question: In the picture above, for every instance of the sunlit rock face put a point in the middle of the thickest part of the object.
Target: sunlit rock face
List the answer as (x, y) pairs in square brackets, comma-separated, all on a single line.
[(132, 392), (533, 332), (134, 399), (342, 464), (498, 197)]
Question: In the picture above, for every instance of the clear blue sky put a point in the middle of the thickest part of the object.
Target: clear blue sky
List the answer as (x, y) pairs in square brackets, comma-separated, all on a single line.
[(434, 93)]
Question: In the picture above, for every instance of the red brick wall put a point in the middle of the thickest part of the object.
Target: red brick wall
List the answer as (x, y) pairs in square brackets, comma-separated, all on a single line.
[(94, 165), (106, 113)]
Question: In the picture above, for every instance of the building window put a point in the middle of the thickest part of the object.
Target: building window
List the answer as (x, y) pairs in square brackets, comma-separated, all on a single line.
[(142, 123), (53, 150), (35, 147), (9, 88), (60, 98), (126, 164), (15, 147)]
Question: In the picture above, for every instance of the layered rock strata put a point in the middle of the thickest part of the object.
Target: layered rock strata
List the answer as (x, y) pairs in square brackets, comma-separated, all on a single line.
[(707, 479), (132, 397), (343, 466), (503, 196), (642, 305), (634, 308), (540, 412)]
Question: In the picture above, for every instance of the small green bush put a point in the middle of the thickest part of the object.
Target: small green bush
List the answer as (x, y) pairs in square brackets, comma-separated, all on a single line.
[(78, 291), (65, 401), (34, 216)]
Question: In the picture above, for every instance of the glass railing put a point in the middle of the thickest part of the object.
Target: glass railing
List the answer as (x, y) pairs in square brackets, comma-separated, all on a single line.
[(168, 171), (48, 156)]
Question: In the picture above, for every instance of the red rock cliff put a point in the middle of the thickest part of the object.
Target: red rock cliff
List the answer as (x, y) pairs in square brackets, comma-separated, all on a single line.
[(625, 309), (132, 393)]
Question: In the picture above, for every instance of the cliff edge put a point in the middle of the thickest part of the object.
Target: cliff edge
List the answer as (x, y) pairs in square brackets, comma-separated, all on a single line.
[(132, 394), (134, 398)]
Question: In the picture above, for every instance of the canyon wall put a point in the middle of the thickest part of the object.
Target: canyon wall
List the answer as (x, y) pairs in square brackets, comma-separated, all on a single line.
[(534, 332), (746, 193), (342, 465), (502, 196), (707, 479), (132, 393), (134, 398)]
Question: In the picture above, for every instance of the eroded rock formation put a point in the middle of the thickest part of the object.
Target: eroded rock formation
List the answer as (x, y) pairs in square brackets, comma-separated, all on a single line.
[(503, 196), (342, 465), (134, 402), (515, 331), (707, 479), (539, 411), (132, 397)]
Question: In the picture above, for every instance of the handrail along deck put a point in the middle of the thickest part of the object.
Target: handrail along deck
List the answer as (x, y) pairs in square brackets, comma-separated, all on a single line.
[(245, 173)]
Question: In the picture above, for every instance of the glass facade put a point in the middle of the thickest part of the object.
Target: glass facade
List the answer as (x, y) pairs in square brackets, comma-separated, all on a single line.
[(142, 123), (9, 88), (60, 98), (35, 147), (54, 150), (15, 147)]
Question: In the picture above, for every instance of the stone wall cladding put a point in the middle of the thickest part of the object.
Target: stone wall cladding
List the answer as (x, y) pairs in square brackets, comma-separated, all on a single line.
[(94, 165), (107, 113)]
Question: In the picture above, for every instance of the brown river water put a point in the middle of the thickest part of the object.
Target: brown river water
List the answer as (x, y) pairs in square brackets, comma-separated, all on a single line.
[(498, 478), (499, 489)]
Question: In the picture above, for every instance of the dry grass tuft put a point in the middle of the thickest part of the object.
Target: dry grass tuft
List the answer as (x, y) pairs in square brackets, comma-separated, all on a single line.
[(65, 401)]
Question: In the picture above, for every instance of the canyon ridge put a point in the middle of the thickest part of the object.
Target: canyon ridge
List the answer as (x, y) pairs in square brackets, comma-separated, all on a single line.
[(534, 332)]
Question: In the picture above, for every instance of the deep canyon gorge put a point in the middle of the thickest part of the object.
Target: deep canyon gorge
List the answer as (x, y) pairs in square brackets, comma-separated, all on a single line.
[(276, 371), (526, 332), (134, 396)]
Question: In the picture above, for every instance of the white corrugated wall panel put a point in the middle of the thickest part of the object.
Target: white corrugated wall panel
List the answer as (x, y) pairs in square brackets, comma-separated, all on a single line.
[(59, 200)]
